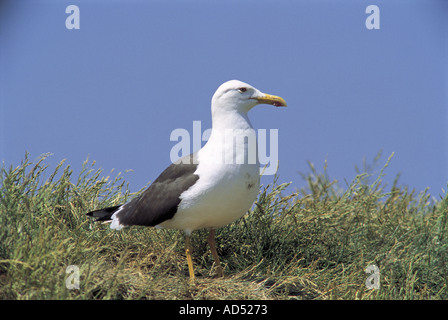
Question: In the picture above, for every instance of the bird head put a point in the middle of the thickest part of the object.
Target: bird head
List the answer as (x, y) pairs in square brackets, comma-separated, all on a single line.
[(235, 95)]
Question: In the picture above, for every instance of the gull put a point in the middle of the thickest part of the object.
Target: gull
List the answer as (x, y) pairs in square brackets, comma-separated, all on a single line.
[(209, 188)]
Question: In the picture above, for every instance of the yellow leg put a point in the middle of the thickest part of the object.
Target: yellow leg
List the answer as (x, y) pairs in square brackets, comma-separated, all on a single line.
[(189, 260), (211, 243)]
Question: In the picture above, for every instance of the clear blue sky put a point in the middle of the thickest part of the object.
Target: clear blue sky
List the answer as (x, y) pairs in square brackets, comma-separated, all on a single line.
[(136, 70)]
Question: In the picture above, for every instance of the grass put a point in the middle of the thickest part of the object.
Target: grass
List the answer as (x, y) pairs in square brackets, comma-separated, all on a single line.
[(314, 243)]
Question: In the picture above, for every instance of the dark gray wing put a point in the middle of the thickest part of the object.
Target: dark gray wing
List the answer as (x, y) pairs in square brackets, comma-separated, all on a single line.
[(160, 201)]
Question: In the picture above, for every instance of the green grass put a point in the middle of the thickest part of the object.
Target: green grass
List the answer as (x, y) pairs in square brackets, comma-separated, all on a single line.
[(312, 244)]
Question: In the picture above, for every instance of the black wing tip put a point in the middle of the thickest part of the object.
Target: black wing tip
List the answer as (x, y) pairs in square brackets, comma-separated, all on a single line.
[(103, 214)]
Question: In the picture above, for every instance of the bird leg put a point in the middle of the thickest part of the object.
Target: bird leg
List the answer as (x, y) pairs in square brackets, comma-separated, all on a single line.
[(211, 243), (189, 260)]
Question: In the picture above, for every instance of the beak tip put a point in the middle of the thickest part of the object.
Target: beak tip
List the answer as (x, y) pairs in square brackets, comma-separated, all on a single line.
[(280, 104), (273, 100)]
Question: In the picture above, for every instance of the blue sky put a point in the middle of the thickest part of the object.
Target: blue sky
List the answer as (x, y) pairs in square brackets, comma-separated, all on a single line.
[(116, 88)]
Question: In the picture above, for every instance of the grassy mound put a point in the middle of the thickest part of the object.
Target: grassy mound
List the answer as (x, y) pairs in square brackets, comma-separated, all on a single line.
[(312, 244)]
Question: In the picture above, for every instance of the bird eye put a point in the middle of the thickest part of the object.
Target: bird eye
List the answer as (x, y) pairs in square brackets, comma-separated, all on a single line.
[(242, 89)]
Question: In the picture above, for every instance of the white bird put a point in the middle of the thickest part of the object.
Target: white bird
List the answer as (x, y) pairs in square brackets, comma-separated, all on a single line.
[(211, 187)]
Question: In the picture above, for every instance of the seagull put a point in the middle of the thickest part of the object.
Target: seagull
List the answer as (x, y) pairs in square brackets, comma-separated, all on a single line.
[(209, 188)]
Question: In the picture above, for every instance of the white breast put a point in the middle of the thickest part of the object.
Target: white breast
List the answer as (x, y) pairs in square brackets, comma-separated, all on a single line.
[(228, 184)]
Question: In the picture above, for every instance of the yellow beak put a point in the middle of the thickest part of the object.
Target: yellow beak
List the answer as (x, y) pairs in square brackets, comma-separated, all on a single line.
[(271, 99)]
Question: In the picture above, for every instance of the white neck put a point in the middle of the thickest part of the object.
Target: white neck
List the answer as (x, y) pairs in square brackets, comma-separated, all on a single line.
[(233, 139), (230, 120)]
